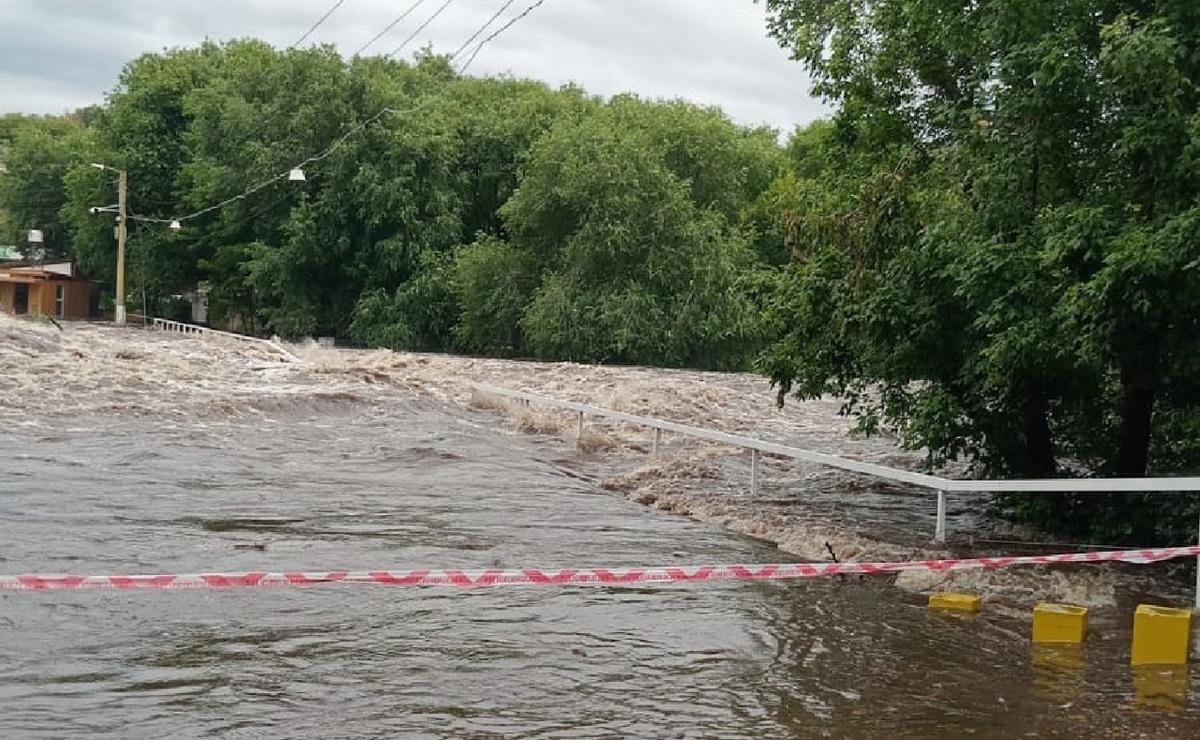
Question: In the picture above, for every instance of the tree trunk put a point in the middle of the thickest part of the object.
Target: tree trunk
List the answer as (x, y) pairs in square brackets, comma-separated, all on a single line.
[(1039, 444), (1138, 389)]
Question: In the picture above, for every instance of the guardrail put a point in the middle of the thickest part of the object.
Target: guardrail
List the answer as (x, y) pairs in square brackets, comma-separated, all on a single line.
[(203, 331), (942, 486)]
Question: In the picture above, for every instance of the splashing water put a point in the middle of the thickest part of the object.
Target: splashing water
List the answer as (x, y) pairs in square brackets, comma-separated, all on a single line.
[(800, 508), (130, 450)]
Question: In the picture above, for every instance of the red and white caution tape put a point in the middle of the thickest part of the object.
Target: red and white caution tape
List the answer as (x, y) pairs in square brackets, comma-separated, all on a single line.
[(574, 576)]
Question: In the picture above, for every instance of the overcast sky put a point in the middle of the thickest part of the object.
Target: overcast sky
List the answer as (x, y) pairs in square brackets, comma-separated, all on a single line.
[(62, 54)]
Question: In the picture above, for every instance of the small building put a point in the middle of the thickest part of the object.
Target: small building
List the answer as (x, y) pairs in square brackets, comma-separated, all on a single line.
[(51, 289), (198, 299)]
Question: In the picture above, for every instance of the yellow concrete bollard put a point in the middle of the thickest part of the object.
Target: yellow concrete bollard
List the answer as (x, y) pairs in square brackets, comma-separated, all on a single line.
[(1062, 624), (1160, 635), (956, 602)]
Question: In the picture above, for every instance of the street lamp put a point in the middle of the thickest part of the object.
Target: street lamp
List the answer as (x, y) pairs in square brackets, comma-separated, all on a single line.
[(122, 235)]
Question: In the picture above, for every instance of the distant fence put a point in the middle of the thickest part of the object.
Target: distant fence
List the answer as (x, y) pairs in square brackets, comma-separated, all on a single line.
[(179, 327), (942, 486)]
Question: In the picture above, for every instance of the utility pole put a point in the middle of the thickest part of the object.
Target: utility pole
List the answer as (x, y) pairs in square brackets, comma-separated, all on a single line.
[(122, 232)]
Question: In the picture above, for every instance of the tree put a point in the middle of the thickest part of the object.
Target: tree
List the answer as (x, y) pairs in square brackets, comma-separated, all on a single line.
[(497, 121), (494, 284), (1012, 277), (775, 219), (631, 228), (36, 152), (617, 226)]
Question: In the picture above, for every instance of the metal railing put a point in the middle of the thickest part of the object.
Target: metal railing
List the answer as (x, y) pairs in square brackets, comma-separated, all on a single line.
[(942, 486), (203, 331)]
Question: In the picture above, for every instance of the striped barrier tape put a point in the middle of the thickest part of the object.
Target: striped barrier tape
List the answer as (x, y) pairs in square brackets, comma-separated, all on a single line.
[(574, 576)]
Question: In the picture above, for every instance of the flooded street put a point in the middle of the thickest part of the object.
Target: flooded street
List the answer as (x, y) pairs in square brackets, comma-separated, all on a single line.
[(192, 457)]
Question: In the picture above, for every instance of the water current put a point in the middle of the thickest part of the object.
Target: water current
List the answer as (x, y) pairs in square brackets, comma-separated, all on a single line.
[(132, 452)]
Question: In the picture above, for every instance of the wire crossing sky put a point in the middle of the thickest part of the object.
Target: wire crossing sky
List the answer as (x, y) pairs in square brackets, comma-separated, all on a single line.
[(63, 54), (386, 29), (320, 20), (176, 222)]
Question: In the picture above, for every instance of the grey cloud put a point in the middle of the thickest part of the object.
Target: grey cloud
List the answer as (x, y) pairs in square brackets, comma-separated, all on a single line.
[(62, 54)]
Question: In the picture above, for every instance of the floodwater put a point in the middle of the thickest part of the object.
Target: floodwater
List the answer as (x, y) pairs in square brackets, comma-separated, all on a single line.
[(208, 458)]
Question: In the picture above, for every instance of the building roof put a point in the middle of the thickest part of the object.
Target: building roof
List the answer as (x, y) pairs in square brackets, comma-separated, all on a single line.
[(39, 273)]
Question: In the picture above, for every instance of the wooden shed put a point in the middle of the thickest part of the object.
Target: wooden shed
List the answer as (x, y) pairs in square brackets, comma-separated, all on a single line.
[(46, 290)]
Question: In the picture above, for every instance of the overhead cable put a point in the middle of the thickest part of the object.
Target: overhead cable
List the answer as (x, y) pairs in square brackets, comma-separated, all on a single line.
[(420, 28), (337, 143), (389, 27), (317, 25)]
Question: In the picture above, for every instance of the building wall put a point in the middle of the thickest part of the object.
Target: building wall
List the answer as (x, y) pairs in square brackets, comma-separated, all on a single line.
[(36, 304), (42, 297), (76, 298)]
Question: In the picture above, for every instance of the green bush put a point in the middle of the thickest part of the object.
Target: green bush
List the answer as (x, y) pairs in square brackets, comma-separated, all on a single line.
[(419, 315), (493, 283)]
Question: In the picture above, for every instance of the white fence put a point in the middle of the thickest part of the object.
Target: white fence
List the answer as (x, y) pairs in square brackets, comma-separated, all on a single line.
[(203, 331), (942, 486)]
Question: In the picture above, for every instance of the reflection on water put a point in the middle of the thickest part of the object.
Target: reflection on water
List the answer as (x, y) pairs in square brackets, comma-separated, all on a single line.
[(417, 484), (168, 454), (1161, 687), (1058, 672)]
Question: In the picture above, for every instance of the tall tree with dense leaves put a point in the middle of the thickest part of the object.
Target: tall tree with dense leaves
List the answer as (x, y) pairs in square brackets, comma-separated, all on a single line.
[(35, 154), (1014, 275), (634, 228)]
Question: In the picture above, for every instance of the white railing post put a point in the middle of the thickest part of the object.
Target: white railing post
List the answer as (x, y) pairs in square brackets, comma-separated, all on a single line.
[(657, 442), (753, 472), (939, 535), (205, 332)]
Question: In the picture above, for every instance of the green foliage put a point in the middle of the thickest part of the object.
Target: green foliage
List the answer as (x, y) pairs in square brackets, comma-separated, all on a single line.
[(1002, 264), (232, 299), (419, 315), (36, 152), (633, 229), (497, 122), (609, 231), (494, 284), (993, 248), (1137, 518)]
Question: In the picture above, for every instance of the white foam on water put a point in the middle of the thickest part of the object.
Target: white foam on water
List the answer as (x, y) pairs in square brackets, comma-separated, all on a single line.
[(96, 368)]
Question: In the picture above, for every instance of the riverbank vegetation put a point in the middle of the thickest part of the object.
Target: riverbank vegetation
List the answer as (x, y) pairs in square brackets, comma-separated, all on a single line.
[(992, 247), (1005, 262)]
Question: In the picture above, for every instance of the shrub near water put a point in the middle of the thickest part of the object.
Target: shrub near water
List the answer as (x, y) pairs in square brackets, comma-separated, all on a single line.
[(1000, 258)]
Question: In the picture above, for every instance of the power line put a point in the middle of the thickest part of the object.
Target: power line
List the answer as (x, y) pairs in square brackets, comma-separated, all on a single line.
[(317, 25), (499, 31), (389, 27), (422, 27), (482, 28), (353, 130)]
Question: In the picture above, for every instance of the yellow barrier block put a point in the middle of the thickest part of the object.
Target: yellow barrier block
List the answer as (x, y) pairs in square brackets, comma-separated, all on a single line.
[(956, 602), (1160, 635), (1063, 624)]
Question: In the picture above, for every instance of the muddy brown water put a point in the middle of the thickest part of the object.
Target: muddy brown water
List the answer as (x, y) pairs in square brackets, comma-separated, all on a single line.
[(415, 482)]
